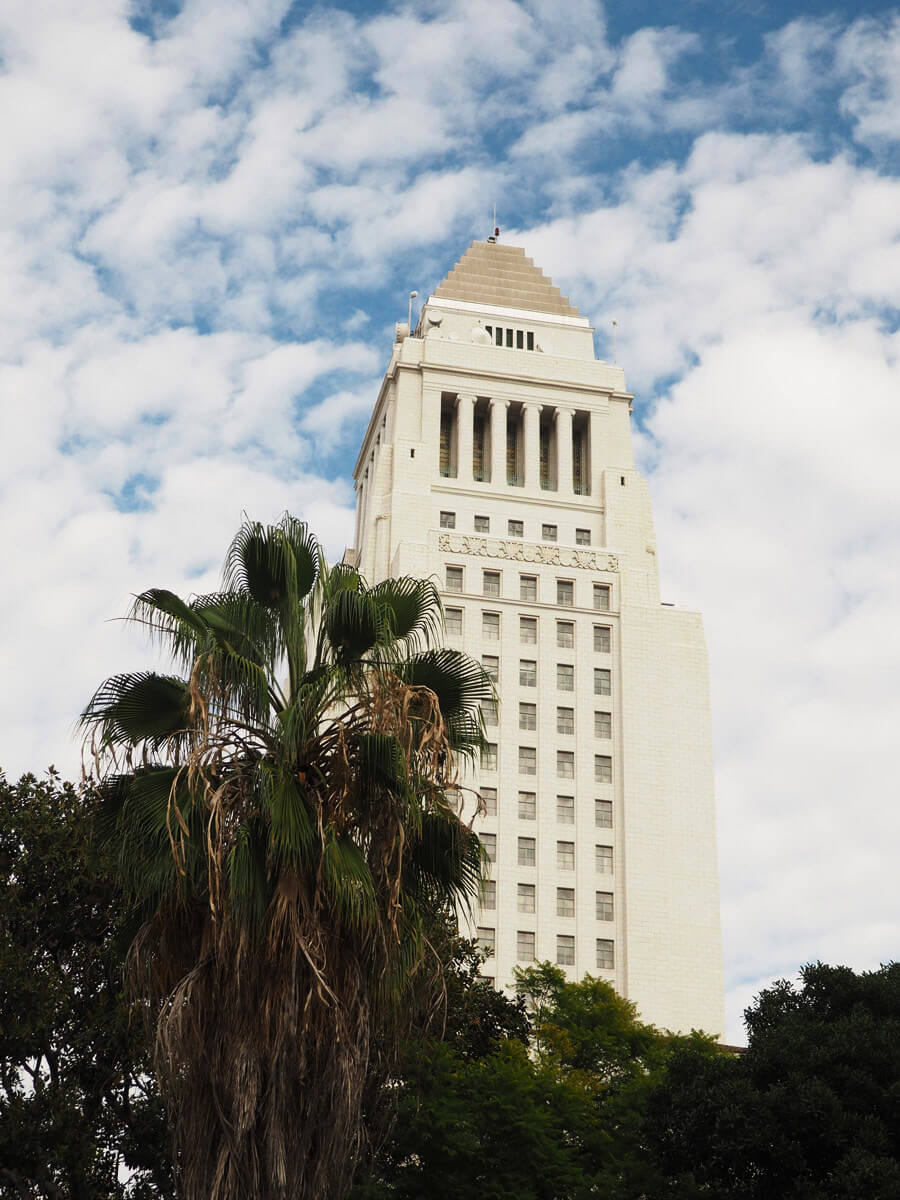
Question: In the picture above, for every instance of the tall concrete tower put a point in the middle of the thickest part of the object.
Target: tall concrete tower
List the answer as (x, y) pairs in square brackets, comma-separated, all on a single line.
[(499, 461)]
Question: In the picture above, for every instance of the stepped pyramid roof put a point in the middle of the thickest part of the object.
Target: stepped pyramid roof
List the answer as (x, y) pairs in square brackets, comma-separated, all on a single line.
[(501, 276)]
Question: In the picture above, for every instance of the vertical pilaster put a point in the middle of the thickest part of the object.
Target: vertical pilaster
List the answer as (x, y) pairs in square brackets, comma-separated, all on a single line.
[(596, 434), (465, 406), (498, 442), (564, 451), (532, 453)]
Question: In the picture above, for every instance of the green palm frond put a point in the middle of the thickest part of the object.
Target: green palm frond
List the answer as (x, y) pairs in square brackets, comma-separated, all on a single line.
[(412, 608), (248, 878), (458, 681), (172, 622), (140, 706), (446, 860), (349, 883), (292, 830), (353, 624), (380, 762), (275, 564)]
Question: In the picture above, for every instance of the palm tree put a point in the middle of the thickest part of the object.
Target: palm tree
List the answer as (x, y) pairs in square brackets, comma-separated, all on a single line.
[(285, 816)]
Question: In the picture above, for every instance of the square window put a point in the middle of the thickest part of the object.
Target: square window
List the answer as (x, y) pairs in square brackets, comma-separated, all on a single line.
[(565, 949), (526, 852), (603, 814), (602, 639), (601, 597), (549, 533), (491, 664), (490, 626), (489, 712), (482, 524), (515, 528), (527, 760), (565, 593), (454, 579), (527, 673), (489, 845), (565, 856), (527, 806), (565, 902), (489, 800), (603, 768), (485, 940), (604, 906), (602, 681), (524, 946), (565, 720), (603, 725), (603, 856), (488, 894), (565, 677), (528, 630), (528, 716), (565, 810), (525, 897), (606, 958), (453, 621), (582, 537), (489, 757), (491, 583), (565, 764), (448, 520), (565, 634), (528, 587)]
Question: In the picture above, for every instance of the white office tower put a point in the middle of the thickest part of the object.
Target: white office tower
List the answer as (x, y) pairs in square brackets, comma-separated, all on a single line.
[(499, 461)]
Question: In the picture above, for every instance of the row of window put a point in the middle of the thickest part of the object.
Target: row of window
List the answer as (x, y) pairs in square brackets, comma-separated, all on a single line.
[(565, 762), (565, 808), (565, 588), (565, 674), (528, 630), (526, 853), (565, 900), (549, 533), (565, 718), (565, 948)]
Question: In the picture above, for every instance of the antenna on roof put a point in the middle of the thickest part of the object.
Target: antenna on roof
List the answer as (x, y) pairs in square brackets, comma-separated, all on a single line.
[(615, 326), (496, 232)]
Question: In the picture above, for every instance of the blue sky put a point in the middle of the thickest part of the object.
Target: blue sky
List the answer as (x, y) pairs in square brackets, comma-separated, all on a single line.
[(212, 216)]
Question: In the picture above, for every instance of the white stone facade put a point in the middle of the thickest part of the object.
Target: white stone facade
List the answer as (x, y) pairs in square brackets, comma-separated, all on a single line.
[(513, 468)]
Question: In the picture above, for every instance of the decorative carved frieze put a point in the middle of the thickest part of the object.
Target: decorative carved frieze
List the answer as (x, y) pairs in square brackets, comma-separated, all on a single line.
[(530, 552)]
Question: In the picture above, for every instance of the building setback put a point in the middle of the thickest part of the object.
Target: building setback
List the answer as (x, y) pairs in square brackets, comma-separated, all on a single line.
[(498, 460)]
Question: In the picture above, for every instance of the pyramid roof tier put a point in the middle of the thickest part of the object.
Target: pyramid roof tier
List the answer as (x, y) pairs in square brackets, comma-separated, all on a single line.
[(501, 276)]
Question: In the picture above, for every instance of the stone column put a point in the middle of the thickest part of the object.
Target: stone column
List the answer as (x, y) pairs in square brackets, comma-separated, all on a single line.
[(564, 451), (532, 449), (465, 405), (498, 441), (596, 452)]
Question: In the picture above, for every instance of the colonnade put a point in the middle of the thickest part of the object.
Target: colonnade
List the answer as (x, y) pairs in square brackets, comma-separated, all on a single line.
[(530, 477)]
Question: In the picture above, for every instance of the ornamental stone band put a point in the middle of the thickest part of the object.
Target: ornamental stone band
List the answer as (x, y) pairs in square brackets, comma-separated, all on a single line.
[(530, 552)]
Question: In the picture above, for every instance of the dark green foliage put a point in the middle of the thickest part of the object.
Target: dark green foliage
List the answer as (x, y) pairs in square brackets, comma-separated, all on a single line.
[(811, 1111), (76, 1100), (481, 1115)]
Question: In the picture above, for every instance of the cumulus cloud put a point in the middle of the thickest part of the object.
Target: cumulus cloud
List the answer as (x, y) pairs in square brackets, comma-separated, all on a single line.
[(205, 209)]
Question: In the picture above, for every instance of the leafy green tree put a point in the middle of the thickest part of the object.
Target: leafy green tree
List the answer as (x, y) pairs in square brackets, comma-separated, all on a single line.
[(80, 1116), (284, 817), (560, 1123), (811, 1111)]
